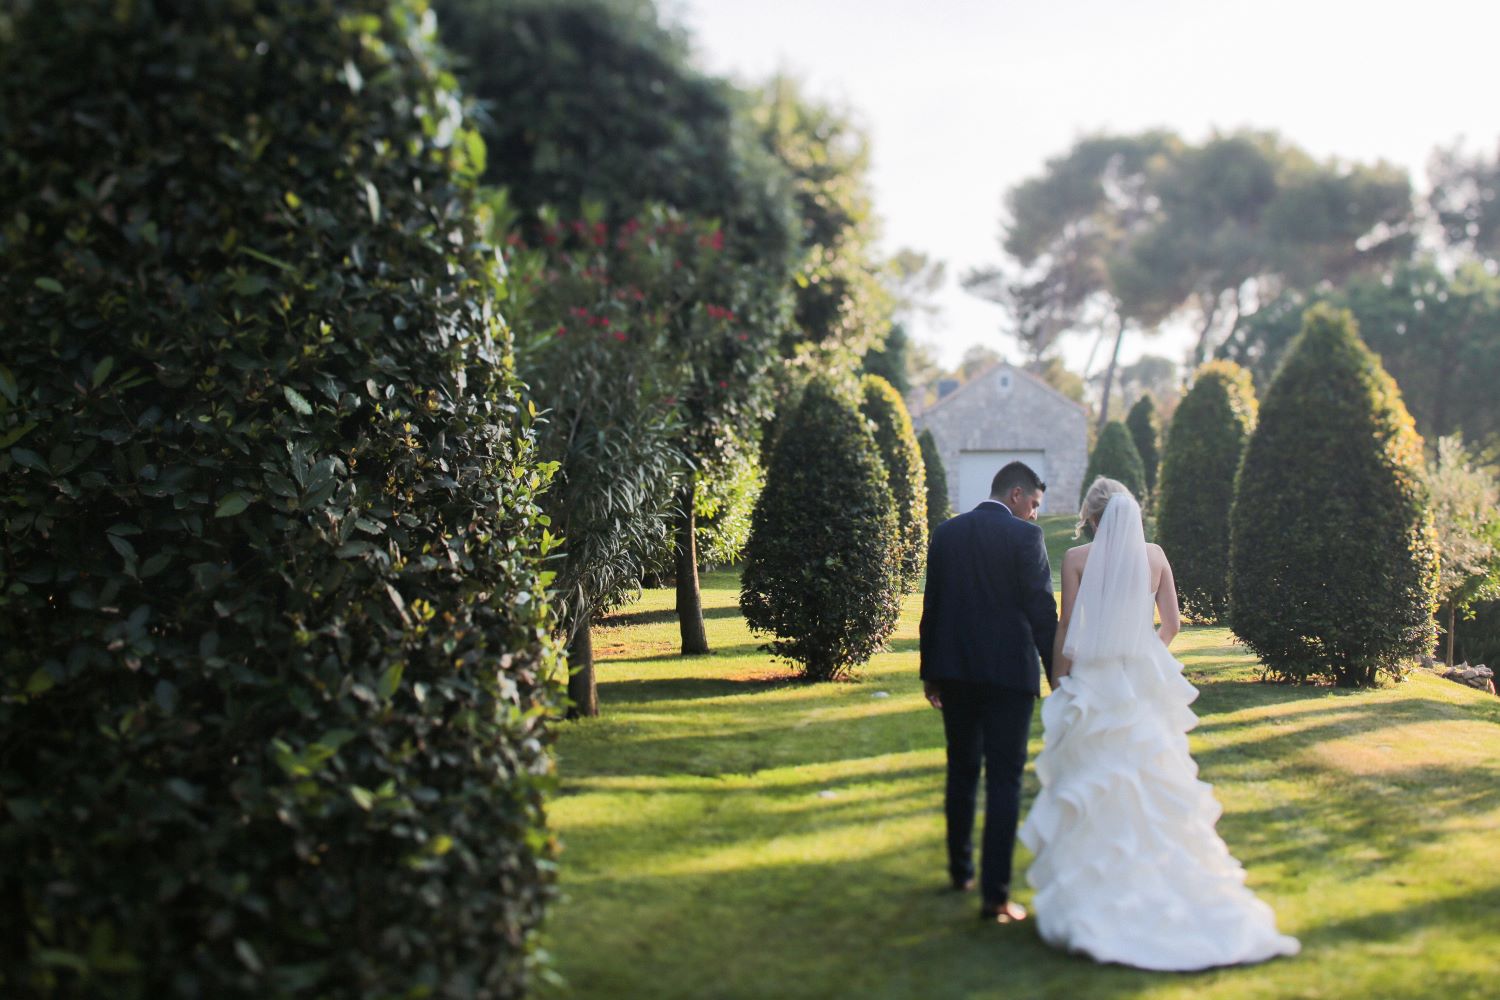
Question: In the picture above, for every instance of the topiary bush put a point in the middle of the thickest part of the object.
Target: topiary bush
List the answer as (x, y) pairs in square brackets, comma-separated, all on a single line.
[(1145, 432), (899, 452), (1332, 553), (1115, 456), (274, 672), (822, 570), (938, 507), (1203, 449)]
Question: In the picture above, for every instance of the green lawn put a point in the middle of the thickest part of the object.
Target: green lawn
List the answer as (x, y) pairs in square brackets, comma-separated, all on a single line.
[(729, 833)]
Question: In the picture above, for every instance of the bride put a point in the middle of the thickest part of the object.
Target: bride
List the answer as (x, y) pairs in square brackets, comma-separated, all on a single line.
[(1128, 867)]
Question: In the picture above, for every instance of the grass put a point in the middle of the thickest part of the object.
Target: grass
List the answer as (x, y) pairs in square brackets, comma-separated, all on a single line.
[(731, 833)]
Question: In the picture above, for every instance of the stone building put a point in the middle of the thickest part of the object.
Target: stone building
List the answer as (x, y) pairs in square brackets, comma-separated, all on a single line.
[(1002, 415)]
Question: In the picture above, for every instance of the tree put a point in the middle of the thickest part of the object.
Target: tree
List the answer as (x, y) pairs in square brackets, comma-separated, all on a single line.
[(596, 101), (1144, 434), (1246, 215), (822, 571), (1466, 510), (890, 359), (902, 458), (1054, 372), (1203, 449), (939, 509), (603, 359), (912, 278), (1465, 201), (977, 359), (1073, 232), (841, 305), (1115, 456), (274, 677), (1154, 375), (1438, 334), (1332, 482), (1123, 231)]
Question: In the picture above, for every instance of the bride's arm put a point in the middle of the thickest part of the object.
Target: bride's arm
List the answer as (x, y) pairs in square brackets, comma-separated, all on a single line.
[(1061, 665), (1166, 605)]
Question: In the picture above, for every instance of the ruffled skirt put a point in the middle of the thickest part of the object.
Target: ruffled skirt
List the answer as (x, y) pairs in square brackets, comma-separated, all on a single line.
[(1128, 867)]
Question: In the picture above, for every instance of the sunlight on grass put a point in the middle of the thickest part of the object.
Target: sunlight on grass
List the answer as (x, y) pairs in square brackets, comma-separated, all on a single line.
[(731, 832)]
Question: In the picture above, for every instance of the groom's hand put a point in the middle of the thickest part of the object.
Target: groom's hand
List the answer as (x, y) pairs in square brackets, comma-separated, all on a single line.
[(934, 696)]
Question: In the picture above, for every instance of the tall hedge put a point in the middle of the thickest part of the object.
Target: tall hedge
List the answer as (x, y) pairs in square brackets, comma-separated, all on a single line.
[(902, 457), (1145, 434), (822, 569), (1203, 449), (273, 667), (939, 508), (1332, 553), (1115, 456)]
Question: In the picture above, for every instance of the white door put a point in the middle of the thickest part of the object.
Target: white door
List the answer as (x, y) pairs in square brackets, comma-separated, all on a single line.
[(976, 470)]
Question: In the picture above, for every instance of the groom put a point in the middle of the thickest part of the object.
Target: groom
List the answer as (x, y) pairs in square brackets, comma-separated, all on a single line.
[(988, 619)]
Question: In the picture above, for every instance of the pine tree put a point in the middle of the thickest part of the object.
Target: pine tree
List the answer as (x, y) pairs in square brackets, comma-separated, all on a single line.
[(822, 569), (1115, 456), (902, 457), (1203, 450), (939, 509), (1332, 553), (1145, 433)]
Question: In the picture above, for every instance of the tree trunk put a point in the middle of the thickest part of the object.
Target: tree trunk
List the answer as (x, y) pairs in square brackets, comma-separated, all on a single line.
[(1200, 350), (1109, 376), (689, 600), (1452, 616), (583, 690)]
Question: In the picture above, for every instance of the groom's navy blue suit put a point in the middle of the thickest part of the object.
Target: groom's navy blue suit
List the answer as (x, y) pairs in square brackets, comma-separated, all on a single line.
[(988, 621)]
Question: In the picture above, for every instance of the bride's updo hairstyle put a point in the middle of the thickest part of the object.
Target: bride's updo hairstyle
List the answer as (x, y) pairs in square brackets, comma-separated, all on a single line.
[(1094, 502)]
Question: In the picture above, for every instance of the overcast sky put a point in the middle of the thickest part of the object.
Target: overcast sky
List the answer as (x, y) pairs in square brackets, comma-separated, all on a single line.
[(965, 98)]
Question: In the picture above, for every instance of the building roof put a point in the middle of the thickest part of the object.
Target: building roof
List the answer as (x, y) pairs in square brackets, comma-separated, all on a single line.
[(985, 375)]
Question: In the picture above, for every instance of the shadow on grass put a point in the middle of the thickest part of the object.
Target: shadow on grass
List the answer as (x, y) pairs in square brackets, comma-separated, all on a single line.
[(737, 649), (629, 619), (634, 692)]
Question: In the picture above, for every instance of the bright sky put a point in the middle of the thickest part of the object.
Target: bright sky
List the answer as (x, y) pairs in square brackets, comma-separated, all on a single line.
[(963, 99)]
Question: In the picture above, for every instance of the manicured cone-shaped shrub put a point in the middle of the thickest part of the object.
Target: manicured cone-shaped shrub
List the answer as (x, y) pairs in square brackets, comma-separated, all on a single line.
[(822, 569), (902, 457), (1145, 432), (1332, 554), (1204, 446), (1115, 456), (272, 668), (939, 509)]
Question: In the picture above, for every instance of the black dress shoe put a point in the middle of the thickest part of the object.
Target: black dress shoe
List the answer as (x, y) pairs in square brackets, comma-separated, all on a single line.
[(1002, 913)]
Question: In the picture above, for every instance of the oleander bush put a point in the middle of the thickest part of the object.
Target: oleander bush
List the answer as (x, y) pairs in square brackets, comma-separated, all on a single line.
[(1115, 456), (902, 458), (1203, 449), (822, 570), (274, 667), (1333, 563)]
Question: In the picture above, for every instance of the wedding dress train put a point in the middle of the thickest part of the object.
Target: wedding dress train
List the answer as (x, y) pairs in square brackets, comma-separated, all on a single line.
[(1128, 867)]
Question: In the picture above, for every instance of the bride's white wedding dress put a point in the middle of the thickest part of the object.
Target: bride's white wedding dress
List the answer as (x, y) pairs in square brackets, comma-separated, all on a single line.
[(1128, 867)]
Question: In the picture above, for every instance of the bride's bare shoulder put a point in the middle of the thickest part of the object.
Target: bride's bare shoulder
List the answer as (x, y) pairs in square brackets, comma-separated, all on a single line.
[(1077, 554)]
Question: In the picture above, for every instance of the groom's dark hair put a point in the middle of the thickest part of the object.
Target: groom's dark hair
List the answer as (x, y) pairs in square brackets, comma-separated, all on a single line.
[(1016, 474)]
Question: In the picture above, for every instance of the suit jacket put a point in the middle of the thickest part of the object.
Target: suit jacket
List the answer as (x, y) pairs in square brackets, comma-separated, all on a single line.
[(988, 614)]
